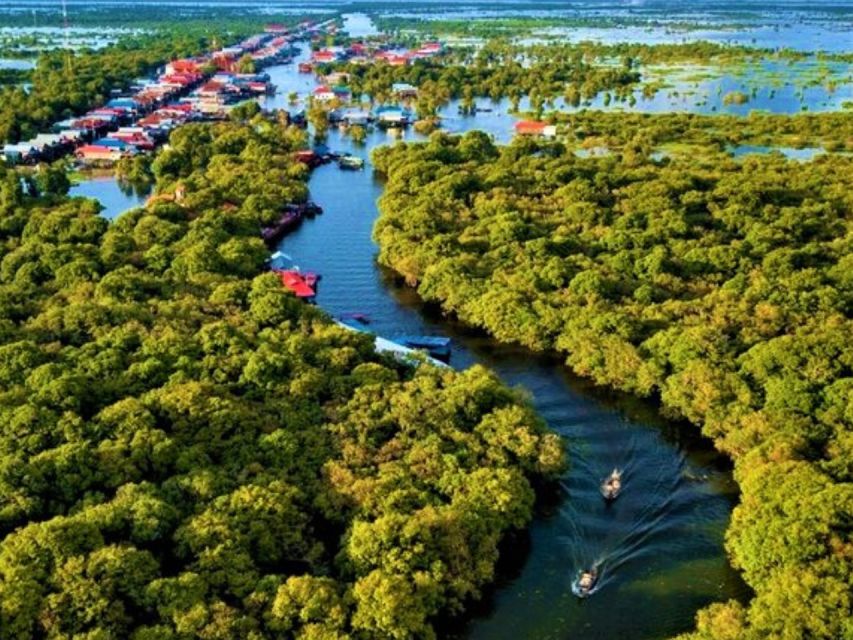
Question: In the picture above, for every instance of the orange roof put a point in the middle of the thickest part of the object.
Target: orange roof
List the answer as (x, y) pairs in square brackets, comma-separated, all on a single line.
[(530, 126)]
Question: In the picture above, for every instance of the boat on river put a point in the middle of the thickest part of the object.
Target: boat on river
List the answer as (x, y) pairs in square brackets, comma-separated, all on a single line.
[(436, 346), (311, 278), (348, 161), (297, 282), (361, 318), (288, 220), (585, 583), (612, 485)]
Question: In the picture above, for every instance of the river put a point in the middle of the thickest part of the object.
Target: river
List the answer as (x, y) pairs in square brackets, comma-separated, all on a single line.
[(659, 546)]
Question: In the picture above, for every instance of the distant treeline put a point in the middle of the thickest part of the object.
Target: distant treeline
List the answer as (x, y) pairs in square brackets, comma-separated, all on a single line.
[(642, 133)]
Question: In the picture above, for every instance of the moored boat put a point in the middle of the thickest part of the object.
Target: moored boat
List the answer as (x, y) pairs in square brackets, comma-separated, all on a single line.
[(361, 318), (294, 281), (290, 219), (436, 346), (348, 161)]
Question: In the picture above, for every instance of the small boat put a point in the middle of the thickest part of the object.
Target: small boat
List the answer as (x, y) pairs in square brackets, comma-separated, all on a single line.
[(310, 209), (585, 583), (288, 220), (311, 278), (295, 282), (361, 318), (436, 346), (612, 485), (348, 161)]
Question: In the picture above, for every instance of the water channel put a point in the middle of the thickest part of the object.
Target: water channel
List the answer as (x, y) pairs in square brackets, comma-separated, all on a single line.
[(659, 545)]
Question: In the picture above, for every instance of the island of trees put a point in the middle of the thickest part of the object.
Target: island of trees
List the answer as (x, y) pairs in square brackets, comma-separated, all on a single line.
[(723, 288)]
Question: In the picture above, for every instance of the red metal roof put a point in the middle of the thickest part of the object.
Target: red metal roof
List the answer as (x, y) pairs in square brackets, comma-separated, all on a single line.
[(295, 282), (530, 127)]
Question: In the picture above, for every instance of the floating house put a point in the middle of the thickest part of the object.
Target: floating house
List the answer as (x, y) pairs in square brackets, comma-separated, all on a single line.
[(356, 117), (392, 116), (427, 50), (21, 153), (101, 154), (342, 92), (404, 91), (324, 93), (184, 66), (325, 56), (336, 78), (393, 58), (295, 281), (535, 128)]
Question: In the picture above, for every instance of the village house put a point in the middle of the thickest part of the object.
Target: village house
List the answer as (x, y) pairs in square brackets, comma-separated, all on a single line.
[(535, 128), (404, 91)]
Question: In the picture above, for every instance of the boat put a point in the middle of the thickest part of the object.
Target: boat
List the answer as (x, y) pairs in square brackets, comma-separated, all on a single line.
[(310, 209), (294, 281), (290, 219), (436, 346), (348, 161), (311, 278), (585, 582), (361, 318), (612, 485)]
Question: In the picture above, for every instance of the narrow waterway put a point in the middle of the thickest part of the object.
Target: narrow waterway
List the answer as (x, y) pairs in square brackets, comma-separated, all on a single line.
[(659, 546)]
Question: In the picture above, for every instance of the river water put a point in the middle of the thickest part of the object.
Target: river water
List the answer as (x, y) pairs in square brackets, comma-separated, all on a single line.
[(659, 547)]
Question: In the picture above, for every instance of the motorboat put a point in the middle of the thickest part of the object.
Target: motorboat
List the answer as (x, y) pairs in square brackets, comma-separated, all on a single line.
[(585, 583), (612, 485), (347, 161), (436, 346), (361, 318)]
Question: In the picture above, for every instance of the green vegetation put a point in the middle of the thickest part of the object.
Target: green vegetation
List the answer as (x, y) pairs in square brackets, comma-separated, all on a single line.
[(187, 451), (577, 73), (541, 27), (14, 76), (721, 288), (639, 134), (497, 70), (135, 170)]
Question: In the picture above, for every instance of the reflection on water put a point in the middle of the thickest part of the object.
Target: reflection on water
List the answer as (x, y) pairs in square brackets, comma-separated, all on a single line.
[(804, 155), (114, 196), (18, 64)]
